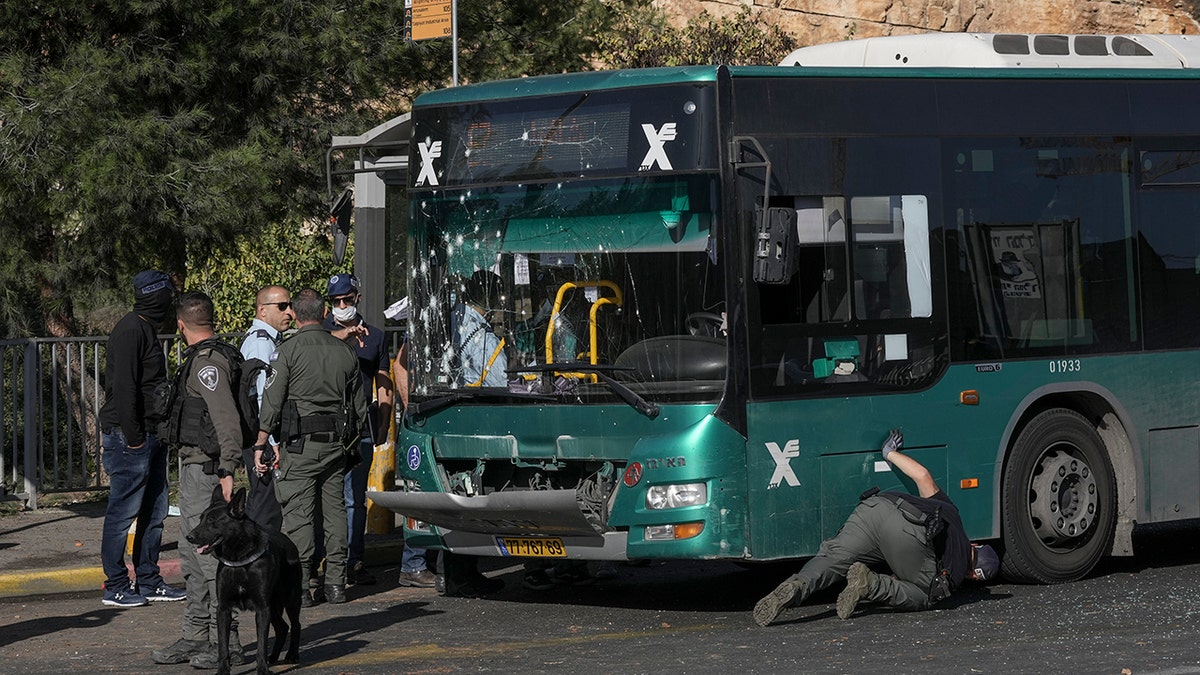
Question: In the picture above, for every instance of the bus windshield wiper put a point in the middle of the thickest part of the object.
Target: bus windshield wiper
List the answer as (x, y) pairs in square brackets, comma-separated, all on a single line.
[(434, 404), (626, 394)]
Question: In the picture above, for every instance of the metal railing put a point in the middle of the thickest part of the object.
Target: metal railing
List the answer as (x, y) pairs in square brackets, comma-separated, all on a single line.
[(51, 392), (51, 396)]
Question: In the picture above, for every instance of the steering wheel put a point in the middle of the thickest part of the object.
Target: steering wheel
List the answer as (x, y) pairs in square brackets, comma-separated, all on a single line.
[(704, 323)]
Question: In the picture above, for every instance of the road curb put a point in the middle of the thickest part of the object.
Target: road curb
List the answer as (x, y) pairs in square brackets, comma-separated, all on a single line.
[(72, 580), (22, 583)]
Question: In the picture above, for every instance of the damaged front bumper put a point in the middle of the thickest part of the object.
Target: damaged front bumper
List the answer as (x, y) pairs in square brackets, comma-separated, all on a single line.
[(476, 525)]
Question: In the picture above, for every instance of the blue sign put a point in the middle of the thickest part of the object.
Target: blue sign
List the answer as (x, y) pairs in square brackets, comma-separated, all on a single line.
[(414, 457)]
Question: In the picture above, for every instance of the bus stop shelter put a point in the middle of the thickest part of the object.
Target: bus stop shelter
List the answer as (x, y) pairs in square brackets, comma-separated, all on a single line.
[(375, 164)]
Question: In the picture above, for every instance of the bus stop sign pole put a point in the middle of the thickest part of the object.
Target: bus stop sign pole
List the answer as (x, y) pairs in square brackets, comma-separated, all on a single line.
[(426, 19)]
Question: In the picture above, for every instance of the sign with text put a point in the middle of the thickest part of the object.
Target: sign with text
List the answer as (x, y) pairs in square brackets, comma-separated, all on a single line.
[(428, 19)]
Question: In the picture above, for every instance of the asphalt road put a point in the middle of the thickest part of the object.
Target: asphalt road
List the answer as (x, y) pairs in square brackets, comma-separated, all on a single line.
[(1134, 615)]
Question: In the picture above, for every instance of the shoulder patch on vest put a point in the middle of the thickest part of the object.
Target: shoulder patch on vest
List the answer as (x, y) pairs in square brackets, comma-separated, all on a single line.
[(210, 377)]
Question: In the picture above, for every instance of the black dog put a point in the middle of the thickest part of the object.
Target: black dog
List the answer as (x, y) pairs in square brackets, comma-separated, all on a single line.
[(256, 571)]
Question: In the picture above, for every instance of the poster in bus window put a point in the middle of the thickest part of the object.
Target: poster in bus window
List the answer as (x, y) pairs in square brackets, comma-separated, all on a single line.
[(1015, 260), (1027, 279)]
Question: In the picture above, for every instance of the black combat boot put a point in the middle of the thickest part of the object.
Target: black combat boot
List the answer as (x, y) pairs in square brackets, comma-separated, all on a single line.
[(335, 593)]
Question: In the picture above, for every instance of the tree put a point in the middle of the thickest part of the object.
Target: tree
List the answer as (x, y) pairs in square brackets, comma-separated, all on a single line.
[(164, 133), (151, 133), (641, 38), (288, 254)]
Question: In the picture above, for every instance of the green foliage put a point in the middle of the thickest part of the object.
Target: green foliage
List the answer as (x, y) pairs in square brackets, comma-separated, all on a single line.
[(287, 254), (156, 133), (168, 134), (640, 37), (136, 134)]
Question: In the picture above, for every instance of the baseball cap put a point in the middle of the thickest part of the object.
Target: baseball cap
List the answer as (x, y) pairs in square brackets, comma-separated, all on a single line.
[(341, 284), (987, 563), (150, 281)]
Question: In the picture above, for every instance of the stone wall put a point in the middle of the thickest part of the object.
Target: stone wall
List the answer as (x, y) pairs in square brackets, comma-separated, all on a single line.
[(820, 21)]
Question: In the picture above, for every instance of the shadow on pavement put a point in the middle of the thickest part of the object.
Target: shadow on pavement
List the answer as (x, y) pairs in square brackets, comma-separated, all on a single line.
[(1156, 546), (339, 636), (49, 625), (722, 586)]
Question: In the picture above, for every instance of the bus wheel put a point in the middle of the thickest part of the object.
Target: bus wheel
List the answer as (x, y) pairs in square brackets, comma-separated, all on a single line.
[(1059, 500)]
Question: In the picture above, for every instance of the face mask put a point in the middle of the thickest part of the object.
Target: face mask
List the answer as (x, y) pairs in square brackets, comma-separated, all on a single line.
[(344, 314)]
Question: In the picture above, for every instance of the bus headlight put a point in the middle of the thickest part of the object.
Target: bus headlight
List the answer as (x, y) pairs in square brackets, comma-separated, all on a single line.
[(676, 496), (673, 532)]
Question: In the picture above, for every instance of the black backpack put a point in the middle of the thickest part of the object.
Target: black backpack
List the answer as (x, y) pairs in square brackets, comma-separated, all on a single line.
[(187, 421)]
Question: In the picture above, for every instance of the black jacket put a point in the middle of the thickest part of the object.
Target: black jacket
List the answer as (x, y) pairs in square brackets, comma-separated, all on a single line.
[(134, 367), (951, 545)]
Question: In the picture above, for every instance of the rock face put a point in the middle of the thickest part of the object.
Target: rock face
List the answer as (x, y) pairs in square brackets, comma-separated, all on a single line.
[(821, 21)]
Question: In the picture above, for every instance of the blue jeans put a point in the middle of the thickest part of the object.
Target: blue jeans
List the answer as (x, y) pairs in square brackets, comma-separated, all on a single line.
[(137, 491), (411, 559)]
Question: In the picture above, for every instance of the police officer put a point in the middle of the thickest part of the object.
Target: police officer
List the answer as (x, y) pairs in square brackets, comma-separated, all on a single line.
[(272, 316), (208, 433), (314, 403), (920, 538)]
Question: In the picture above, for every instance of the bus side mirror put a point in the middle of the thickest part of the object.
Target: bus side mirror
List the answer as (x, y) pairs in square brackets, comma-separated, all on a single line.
[(775, 248)]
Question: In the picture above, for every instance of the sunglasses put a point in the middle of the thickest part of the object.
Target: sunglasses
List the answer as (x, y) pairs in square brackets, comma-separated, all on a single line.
[(349, 300), (281, 306)]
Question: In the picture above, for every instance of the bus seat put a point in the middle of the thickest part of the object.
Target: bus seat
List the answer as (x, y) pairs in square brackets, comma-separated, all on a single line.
[(676, 357)]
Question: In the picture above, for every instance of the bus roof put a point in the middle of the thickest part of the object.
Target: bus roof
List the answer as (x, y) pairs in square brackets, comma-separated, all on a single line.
[(549, 85), (950, 55), (989, 50)]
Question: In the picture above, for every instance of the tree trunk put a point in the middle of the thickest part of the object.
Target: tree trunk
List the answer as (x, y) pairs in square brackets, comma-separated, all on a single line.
[(74, 382), (80, 395)]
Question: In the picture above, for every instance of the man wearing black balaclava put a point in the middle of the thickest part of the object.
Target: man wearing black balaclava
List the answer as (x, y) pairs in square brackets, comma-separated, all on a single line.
[(135, 461)]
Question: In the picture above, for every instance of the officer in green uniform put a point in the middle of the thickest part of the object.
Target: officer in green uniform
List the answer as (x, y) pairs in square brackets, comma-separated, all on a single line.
[(205, 426), (919, 538), (314, 404)]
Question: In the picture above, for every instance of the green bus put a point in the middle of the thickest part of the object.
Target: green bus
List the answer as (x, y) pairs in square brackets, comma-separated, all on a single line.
[(705, 294)]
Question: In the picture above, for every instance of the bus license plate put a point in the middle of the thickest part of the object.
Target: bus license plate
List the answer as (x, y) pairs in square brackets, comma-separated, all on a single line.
[(532, 547)]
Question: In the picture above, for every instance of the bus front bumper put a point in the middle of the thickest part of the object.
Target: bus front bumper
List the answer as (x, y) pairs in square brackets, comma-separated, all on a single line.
[(472, 525), (534, 512)]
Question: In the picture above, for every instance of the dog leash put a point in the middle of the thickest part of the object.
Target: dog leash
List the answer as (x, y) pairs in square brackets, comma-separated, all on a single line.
[(247, 561)]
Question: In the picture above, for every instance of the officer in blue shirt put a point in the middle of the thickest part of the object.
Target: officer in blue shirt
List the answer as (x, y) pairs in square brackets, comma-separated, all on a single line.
[(480, 350), (272, 316)]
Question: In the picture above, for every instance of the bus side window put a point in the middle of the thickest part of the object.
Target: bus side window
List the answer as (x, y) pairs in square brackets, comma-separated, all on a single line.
[(823, 260), (891, 257)]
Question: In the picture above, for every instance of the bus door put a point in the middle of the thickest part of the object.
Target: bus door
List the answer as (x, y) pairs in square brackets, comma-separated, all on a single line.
[(843, 340)]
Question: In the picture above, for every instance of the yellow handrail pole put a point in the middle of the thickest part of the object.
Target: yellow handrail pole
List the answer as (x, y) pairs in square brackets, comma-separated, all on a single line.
[(594, 329), (558, 299), (488, 366)]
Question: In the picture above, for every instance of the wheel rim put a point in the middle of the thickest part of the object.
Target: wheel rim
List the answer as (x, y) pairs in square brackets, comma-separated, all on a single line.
[(1063, 498)]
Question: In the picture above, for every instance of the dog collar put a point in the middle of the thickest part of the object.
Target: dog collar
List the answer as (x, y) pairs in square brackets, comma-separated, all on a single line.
[(247, 561)]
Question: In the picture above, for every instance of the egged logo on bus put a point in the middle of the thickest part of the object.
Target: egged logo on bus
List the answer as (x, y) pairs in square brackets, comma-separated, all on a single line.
[(430, 150), (783, 463), (657, 154)]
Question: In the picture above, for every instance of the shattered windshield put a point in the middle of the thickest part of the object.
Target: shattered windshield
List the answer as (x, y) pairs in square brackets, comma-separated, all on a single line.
[(618, 274)]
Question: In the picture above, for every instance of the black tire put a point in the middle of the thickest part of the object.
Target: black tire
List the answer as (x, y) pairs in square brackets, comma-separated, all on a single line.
[(1058, 508)]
